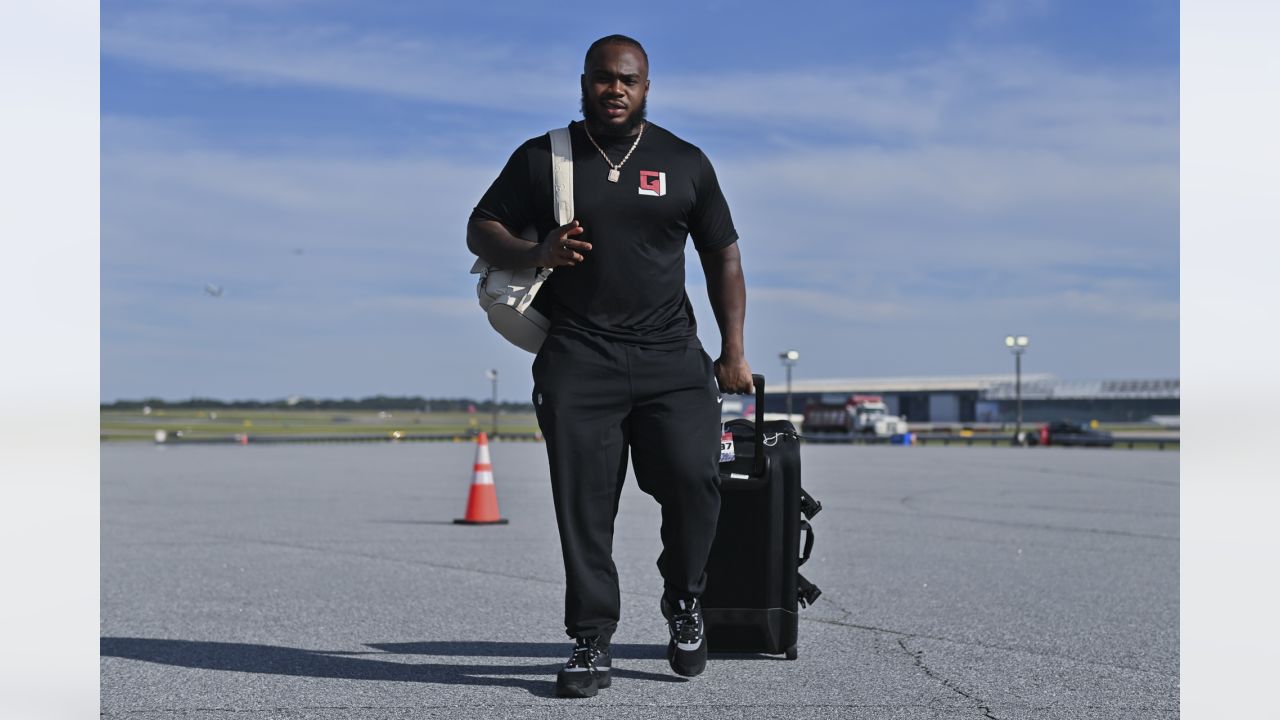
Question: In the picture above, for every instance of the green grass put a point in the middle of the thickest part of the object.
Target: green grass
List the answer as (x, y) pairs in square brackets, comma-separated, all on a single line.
[(133, 425)]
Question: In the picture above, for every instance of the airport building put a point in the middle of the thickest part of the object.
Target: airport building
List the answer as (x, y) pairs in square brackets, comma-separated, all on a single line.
[(993, 398)]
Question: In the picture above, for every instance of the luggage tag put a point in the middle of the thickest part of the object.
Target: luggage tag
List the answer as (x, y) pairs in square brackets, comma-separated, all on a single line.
[(726, 447)]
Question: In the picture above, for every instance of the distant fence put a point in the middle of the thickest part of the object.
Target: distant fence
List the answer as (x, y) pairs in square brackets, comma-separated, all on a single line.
[(1129, 442)]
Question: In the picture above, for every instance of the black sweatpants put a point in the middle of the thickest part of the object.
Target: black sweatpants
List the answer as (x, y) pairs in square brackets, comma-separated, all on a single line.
[(595, 400)]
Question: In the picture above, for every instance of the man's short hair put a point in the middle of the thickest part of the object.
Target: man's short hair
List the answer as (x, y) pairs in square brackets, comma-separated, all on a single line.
[(614, 40)]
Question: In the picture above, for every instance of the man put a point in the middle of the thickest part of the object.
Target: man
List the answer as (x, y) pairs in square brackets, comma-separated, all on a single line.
[(622, 368)]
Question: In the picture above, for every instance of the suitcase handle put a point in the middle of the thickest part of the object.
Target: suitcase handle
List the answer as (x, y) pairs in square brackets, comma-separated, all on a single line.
[(758, 381), (759, 471)]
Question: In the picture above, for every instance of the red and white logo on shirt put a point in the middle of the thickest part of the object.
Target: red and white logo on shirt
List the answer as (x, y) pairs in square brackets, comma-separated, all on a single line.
[(653, 183)]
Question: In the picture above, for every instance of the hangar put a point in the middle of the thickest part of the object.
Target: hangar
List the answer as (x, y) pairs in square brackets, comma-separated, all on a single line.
[(993, 398)]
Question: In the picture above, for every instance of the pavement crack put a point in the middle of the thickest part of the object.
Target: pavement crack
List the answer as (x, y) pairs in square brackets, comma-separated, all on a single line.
[(918, 657), (906, 502), (986, 646), (845, 613)]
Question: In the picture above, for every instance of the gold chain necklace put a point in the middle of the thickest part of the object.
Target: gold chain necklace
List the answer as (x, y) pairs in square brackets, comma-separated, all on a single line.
[(615, 171)]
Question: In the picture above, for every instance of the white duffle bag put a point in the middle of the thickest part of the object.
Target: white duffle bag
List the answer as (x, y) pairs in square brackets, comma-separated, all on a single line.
[(507, 296)]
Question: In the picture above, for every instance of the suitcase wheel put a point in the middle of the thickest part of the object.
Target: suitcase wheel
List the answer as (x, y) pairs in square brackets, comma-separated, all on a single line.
[(792, 654)]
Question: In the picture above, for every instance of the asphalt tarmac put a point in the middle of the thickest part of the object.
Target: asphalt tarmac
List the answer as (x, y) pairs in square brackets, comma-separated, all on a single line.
[(330, 582)]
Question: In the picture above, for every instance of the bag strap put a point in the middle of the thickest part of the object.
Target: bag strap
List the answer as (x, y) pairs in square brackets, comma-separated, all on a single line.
[(562, 174), (808, 505), (807, 529), (807, 592), (561, 189)]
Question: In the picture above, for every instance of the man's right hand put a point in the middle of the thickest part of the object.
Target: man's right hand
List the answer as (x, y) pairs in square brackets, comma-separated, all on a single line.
[(560, 247)]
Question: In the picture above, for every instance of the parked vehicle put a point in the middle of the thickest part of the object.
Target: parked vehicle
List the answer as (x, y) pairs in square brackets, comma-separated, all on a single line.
[(1066, 433), (859, 415)]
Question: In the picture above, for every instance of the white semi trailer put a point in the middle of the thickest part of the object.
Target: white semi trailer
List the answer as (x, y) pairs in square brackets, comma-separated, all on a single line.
[(859, 415)]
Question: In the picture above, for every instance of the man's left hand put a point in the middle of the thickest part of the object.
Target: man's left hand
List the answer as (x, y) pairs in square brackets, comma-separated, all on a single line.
[(734, 375)]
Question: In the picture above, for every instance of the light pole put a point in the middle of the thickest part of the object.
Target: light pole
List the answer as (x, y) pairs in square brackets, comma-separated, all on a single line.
[(493, 375), (1017, 345), (789, 359)]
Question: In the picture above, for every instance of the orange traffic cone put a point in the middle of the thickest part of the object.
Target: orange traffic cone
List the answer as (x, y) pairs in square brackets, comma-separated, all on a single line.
[(482, 505)]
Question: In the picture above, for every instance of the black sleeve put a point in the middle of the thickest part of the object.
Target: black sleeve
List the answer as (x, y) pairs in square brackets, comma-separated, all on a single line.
[(508, 199), (710, 225)]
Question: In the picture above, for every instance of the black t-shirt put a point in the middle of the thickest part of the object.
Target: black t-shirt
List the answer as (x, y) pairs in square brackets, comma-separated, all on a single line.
[(630, 287)]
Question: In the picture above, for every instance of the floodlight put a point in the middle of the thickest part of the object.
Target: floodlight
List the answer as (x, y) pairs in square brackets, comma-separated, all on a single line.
[(789, 359), (1017, 345)]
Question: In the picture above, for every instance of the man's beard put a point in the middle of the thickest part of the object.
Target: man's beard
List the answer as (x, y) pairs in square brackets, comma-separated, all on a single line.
[(633, 122)]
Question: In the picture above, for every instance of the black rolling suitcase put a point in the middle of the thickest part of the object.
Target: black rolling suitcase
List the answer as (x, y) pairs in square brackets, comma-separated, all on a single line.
[(754, 587)]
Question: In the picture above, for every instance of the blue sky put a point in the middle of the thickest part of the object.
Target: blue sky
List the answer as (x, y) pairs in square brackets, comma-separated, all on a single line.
[(911, 182)]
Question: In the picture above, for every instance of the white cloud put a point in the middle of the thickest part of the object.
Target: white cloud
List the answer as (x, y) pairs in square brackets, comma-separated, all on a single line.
[(885, 213), (853, 303), (336, 57), (971, 93), (997, 13), (193, 208)]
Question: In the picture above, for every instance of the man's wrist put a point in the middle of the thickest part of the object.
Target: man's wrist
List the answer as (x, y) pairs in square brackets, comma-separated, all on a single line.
[(534, 254), (731, 352)]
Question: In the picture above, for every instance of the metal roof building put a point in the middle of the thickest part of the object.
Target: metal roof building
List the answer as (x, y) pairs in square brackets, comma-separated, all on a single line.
[(993, 398)]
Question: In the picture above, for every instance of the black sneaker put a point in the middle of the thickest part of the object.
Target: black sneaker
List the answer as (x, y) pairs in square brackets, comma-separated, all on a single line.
[(687, 651), (586, 671)]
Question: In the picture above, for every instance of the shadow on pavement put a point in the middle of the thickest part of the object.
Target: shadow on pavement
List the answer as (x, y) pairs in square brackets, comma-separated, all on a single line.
[(276, 660), (413, 522), (621, 651)]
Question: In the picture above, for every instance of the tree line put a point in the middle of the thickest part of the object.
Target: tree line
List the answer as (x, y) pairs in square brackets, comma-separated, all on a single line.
[(374, 403)]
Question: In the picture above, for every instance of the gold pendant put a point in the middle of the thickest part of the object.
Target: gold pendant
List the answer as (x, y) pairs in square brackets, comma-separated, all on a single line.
[(614, 175)]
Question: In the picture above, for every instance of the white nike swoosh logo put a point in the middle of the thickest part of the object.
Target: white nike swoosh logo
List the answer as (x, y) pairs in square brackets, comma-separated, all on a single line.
[(690, 647), (719, 400)]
